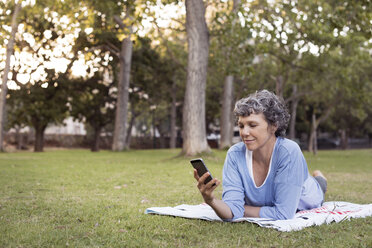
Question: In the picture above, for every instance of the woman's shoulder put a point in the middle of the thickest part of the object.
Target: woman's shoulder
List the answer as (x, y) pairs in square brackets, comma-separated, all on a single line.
[(238, 147), (235, 156), (288, 145)]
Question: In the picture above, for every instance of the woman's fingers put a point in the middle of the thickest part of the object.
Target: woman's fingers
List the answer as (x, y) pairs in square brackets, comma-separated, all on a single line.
[(203, 177), (213, 183), (196, 176)]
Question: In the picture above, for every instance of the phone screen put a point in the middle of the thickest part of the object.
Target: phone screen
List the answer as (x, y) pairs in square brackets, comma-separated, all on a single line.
[(201, 168)]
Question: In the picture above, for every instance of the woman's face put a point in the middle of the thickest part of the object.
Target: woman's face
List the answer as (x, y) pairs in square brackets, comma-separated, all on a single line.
[(255, 131)]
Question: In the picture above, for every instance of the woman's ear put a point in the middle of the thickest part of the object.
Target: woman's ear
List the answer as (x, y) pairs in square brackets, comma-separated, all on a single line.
[(273, 128)]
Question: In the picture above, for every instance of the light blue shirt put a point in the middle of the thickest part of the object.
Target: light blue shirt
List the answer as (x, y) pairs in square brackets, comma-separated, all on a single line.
[(287, 188)]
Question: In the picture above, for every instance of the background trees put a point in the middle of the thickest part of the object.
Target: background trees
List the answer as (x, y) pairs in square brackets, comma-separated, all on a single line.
[(39, 77), (90, 101), (315, 54)]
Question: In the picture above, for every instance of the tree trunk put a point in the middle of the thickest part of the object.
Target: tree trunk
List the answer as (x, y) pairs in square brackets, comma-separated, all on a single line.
[(121, 114), (344, 139), (194, 123), (129, 130), (162, 143), (236, 4), (314, 127), (292, 124), (173, 117), (227, 119), (97, 135), (39, 138), (19, 138), (315, 135), (4, 87), (313, 146), (153, 129), (279, 86)]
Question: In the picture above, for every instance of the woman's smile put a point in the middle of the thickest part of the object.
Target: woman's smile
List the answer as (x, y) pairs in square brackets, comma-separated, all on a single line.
[(249, 141)]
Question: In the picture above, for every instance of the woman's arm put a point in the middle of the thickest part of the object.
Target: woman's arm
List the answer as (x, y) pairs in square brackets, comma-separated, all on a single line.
[(251, 211), (220, 207), (291, 173)]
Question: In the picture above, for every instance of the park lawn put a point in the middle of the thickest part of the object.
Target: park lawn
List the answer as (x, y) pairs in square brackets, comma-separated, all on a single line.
[(81, 199)]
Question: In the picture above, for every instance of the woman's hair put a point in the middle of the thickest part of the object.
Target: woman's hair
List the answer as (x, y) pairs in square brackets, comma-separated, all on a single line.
[(267, 103)]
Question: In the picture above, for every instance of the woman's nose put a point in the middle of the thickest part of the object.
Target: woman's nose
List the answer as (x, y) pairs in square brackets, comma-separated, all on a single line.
[(245, 131)]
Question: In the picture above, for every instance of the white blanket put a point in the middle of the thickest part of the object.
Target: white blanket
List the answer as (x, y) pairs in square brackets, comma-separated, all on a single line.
[(327, 213)]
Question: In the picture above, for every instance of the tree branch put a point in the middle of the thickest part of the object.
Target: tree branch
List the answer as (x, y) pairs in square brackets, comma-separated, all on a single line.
[(180, 22), (169, 51), (120, 22), (325, 115), (104, 47), (14, 77), (298, 95), (74, 58), (113, 47), (288, 62)]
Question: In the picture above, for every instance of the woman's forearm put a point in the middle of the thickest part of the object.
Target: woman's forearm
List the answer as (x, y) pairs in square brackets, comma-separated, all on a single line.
[(250, 211), (224, 212), (221, 208)]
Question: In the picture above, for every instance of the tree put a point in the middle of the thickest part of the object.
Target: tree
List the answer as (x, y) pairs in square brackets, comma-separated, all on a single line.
[(172, 50), (151, 81), (341, 29), (40, 97), (9, 53), (194, 128), (125, 57), (38, 105), (114, 33), (227, 120), (91, 102)]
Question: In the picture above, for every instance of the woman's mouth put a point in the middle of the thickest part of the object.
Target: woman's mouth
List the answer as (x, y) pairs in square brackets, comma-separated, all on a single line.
[(248, 141)]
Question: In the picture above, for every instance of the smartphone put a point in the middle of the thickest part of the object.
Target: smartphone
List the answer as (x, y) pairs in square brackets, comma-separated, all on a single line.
[(201, 168)]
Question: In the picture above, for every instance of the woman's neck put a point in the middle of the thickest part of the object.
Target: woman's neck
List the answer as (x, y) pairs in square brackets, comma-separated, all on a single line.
[(263, 154)]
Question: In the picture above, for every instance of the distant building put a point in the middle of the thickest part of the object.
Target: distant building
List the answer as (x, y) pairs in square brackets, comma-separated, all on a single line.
[(69, 126)]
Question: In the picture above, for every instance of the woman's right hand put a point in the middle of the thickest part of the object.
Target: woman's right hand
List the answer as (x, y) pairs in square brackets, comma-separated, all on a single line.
[(206, 190)]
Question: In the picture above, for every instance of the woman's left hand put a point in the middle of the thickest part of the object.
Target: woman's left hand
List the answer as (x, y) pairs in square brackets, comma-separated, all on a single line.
[(206, 189)]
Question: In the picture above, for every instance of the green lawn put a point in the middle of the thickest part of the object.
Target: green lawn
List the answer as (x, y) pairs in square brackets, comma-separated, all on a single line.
[(81, 199)]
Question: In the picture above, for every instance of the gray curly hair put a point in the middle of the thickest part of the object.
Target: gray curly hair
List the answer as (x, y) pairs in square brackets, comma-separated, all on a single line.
[(267, 103)]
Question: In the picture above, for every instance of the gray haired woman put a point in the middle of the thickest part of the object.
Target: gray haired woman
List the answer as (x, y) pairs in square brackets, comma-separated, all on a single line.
[(265, 175)]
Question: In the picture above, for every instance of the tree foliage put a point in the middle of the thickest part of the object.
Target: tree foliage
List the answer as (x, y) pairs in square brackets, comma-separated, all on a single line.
[(315, 54)]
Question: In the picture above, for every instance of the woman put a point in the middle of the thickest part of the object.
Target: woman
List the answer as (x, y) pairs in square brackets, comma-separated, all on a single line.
[(265, 175)]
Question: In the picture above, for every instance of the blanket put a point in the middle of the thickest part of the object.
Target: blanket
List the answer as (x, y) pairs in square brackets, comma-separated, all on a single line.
[(333, 211)]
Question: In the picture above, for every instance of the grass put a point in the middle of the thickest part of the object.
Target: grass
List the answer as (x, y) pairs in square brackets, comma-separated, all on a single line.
[(81, 199)]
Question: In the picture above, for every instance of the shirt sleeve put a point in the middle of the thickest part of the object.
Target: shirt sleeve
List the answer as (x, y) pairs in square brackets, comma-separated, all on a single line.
[(290, 176), (233, 190)]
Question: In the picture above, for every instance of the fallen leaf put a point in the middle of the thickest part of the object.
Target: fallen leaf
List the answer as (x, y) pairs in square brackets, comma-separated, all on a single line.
[(123, 231), (60, 227)]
